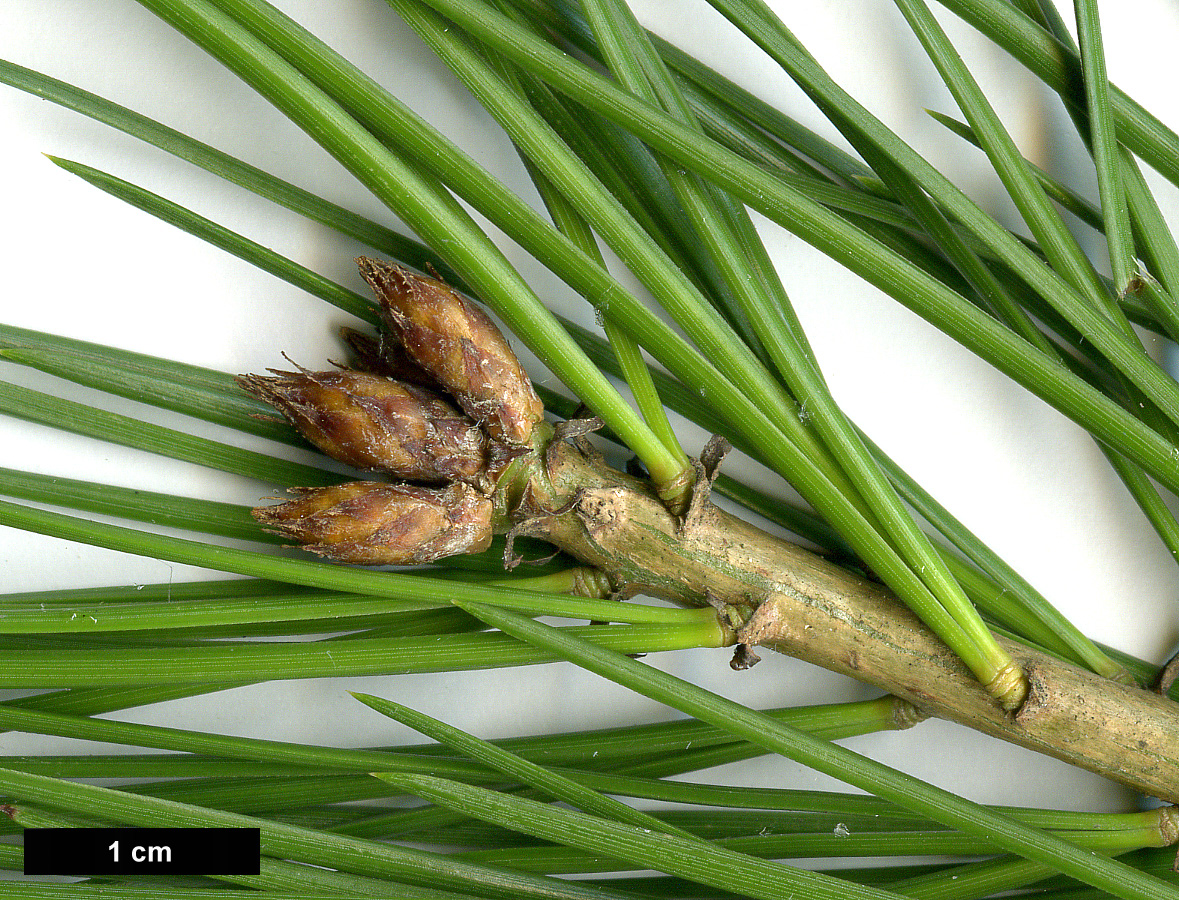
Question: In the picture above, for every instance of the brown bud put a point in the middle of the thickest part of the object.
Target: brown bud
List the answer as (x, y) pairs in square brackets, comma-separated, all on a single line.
[(384, 356), (372, 422), (371, 524), (455, 341)]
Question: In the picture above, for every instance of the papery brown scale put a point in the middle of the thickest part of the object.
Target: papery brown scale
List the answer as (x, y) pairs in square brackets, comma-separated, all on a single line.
[(371, 422), (454, 340), (372, 524)]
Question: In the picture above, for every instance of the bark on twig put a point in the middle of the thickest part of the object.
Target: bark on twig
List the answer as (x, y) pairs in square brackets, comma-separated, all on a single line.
[(797, 603)]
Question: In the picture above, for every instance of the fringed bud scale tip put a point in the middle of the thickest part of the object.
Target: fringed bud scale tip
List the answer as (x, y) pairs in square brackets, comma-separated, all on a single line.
[(458, 344), (372, 422)]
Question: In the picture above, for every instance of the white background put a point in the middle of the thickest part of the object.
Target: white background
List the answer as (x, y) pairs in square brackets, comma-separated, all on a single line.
[(79, 263)]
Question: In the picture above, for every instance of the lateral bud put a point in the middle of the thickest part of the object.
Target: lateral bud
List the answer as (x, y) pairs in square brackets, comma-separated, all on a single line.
[(372, 524), (372, 422), (455, 341)]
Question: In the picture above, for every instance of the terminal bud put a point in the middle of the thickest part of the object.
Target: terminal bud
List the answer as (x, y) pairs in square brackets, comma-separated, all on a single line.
[(455, 341)]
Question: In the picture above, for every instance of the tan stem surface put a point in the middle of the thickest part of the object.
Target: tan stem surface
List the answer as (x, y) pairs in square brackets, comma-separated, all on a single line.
[(793, 601)]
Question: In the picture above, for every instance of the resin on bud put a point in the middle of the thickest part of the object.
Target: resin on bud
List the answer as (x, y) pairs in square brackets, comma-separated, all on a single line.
[(372, 422), (371, 524), (456, 342)]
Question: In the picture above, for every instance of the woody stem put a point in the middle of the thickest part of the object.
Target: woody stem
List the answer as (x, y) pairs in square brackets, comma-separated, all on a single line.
[(788, 599)]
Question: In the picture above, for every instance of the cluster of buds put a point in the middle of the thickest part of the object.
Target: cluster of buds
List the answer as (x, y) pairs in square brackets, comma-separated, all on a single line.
[(439, 402)]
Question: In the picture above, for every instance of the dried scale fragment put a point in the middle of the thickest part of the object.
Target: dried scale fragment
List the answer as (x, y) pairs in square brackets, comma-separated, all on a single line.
[(455, 341), (372, 422), (373, 524)]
